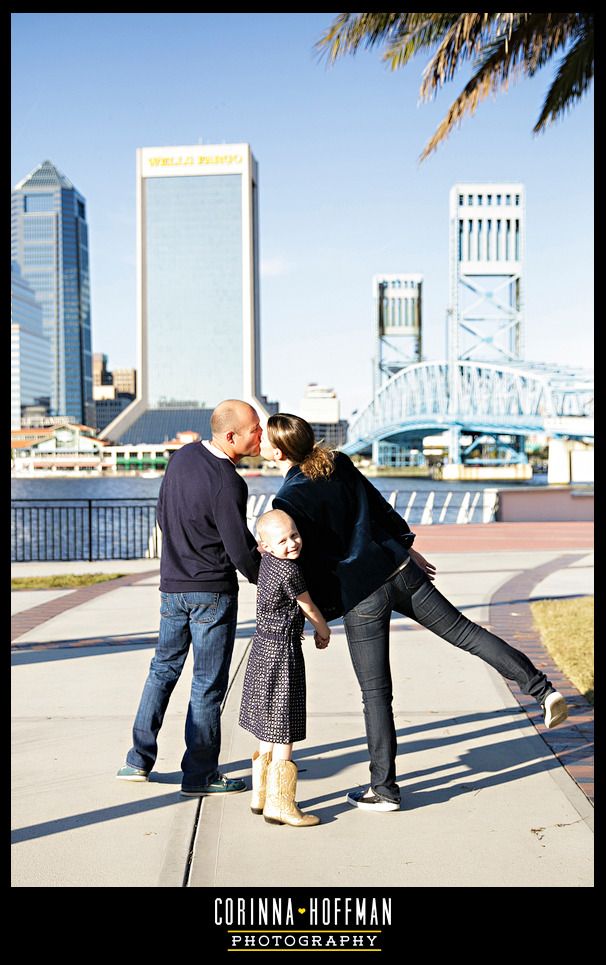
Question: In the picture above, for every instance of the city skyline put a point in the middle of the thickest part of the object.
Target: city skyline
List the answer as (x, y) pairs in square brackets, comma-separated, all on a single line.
[(342, 196)]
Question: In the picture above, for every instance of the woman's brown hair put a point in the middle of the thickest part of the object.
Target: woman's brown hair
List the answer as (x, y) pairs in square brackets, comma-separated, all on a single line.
[(293, 436)]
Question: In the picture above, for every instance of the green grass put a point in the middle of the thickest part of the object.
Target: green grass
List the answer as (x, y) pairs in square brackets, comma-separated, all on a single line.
[(566, 628), (65, 581)]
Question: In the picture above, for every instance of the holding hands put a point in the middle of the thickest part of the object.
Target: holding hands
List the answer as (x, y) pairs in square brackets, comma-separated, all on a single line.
[(320, 641)]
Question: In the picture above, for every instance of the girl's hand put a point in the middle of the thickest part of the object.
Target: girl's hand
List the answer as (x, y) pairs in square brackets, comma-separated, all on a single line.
[(321, 642)]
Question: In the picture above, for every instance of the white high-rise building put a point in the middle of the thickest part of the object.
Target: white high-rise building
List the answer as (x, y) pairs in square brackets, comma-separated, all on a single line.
[(198, 289), (30, 350)]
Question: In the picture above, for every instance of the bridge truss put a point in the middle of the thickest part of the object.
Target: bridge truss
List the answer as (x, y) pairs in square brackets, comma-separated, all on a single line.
[(520, 398)]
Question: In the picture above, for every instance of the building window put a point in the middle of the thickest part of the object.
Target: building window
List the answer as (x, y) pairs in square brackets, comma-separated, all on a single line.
[(517, 198), (470, 199), (479, 199), (460, 240), (498, 198), (461, 199), (38, 229), (38, 202), (489, 199), (507, 199)]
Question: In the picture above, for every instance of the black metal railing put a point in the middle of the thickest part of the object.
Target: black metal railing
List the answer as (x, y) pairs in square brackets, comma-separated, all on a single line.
[(83, 529), (125, 529)]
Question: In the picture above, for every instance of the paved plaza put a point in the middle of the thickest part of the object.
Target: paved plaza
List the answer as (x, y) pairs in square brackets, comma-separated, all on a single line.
[(489, 797)]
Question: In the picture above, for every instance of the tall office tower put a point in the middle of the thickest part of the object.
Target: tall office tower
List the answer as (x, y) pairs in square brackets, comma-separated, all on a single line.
[(50, 244), (198, 289), (30, 351), (125, 381), (101, 376)]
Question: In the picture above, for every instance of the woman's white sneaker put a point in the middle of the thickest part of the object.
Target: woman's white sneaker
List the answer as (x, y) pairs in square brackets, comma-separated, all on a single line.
[(369, 801), (555, 709)]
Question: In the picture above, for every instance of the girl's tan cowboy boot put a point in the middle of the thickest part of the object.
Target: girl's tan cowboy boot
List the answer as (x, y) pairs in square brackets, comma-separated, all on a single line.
[(280, 806), (260, 763)]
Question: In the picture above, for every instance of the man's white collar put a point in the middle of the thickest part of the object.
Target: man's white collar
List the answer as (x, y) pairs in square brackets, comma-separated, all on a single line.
[(216, 452)]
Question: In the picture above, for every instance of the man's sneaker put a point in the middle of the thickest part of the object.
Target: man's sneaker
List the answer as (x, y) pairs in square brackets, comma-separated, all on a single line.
[(220, 785), (128, 773), (555, 709), (369, 801)]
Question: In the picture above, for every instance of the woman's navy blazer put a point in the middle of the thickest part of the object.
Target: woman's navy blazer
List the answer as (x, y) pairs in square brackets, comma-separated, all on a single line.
[(352, 539)]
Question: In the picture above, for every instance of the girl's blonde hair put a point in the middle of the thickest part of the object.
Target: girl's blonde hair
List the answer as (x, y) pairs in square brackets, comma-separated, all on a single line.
[(295, 438)]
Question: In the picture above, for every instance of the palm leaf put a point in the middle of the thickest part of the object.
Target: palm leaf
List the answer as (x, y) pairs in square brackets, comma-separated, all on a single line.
[(348, 31), (571, 82), (422, 31), (528, 45)]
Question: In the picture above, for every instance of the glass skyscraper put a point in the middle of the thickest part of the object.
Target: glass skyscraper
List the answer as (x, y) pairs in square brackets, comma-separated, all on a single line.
[(50, 245), (198, 289), (30, 351)]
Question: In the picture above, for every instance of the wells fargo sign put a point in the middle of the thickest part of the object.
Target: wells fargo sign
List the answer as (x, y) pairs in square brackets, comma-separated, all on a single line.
[(192, 160)]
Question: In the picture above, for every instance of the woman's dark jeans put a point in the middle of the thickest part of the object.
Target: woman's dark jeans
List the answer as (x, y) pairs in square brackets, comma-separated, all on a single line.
[(411, 593)]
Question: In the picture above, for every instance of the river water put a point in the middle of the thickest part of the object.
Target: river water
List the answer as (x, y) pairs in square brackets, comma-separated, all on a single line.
[(137, 487)]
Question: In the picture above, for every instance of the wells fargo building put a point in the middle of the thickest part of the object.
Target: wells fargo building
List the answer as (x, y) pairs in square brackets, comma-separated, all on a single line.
[(197, 289)]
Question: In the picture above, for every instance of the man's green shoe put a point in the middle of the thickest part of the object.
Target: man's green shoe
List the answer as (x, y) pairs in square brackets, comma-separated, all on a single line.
[(220, 785), (128, 773)]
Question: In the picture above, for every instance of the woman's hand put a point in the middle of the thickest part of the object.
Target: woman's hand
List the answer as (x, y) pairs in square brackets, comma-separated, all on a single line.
[(427, 567), (321, 642)]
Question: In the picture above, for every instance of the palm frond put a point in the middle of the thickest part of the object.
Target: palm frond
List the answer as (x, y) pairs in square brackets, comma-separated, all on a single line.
[(525, 46), (572, 80), (467, 36), (348, 31), (503, 46), (422, 31), (531, 37)]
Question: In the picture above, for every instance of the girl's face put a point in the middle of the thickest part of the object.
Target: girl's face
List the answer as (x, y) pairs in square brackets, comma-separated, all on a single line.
[(283, 541)]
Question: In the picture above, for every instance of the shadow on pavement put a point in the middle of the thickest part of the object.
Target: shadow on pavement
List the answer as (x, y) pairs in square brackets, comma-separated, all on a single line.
[(93, 817), (32, 652)]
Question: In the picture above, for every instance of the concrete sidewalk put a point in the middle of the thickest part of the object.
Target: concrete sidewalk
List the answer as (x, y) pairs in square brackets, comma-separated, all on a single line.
[(485, 802)]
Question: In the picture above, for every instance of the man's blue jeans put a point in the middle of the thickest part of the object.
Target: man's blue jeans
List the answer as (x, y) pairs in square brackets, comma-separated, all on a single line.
[(411, 593), (208, 622)]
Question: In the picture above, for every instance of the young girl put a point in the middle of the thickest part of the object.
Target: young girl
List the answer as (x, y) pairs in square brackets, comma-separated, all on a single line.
[(273, 698)]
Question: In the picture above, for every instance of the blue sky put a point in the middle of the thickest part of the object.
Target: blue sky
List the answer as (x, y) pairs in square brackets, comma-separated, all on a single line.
[(342, 194)]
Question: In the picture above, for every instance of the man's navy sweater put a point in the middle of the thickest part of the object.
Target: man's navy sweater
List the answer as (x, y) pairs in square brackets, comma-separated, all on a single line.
[(202, 514)]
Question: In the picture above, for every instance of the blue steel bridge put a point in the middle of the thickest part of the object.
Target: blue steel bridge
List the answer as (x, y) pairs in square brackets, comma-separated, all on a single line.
[(475, 397)]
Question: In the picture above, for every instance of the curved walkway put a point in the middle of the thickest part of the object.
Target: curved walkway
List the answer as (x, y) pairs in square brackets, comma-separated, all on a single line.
[(28, 619)]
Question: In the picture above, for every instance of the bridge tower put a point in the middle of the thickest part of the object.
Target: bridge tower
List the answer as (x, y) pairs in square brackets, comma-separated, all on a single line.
[(485, 317), (397, 324), (397, 331)]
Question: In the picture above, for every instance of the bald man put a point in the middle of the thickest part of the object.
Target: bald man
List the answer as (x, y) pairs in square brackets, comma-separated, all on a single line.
[(205, 539)]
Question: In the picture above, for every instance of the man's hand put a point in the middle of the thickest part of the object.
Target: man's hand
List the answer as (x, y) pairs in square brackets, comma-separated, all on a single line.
[(321, 642), (427, 567)]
